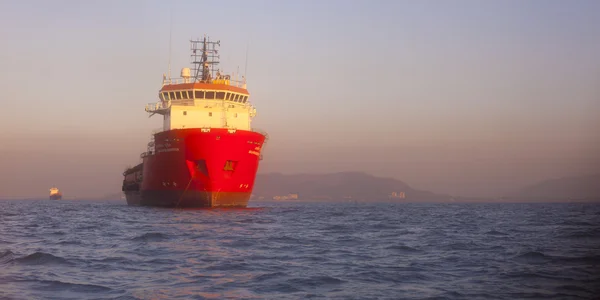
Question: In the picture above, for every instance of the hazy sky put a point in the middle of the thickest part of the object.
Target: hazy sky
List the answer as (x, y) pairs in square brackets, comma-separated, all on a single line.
[(462, 97)]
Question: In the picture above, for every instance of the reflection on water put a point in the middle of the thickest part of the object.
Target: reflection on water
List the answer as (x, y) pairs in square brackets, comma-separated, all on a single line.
[(82, 250)]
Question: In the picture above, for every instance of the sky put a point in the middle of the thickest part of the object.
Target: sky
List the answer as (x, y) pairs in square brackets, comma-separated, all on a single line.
[(471, 98)]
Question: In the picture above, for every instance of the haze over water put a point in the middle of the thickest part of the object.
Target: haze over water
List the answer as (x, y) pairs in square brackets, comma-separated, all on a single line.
[(469, 98)]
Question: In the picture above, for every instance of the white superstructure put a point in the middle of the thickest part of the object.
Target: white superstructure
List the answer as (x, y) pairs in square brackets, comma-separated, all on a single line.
[(203, 97)]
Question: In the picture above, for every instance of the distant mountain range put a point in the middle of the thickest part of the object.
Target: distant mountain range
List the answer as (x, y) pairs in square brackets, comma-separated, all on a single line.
[(575, 188), (338, 186), (360, 186)]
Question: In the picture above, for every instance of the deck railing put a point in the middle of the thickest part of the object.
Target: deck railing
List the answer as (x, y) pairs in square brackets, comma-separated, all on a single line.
[(263, 132), (231, 82), (157, 106), (257, 130)]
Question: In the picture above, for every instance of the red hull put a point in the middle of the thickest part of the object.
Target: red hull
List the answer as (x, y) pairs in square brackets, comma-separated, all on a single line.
[(194, 168)]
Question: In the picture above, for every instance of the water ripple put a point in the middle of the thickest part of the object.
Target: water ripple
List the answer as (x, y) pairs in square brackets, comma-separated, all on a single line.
[(107, 250)]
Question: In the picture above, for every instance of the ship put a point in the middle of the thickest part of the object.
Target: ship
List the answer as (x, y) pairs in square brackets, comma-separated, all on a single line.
[(55, 194), (207, 153)]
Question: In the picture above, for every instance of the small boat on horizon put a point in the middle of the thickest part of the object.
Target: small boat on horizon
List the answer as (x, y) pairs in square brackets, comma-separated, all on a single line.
[(55, 194)]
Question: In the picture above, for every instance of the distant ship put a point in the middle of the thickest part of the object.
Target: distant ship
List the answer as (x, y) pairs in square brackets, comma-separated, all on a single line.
[(207, 153), (55, 194)]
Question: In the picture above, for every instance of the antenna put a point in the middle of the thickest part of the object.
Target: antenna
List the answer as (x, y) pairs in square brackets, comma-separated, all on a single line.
[(170, 36), (246, 64)]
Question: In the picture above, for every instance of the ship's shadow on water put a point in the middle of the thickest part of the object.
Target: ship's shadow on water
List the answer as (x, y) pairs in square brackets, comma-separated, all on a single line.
[(108, 250), (220, 209)]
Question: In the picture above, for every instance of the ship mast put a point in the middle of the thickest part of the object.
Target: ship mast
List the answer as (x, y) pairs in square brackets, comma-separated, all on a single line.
[(204, 59)]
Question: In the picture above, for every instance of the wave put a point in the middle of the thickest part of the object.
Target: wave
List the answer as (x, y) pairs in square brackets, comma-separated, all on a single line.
[(42, 258), (581, 234), (6, 256), (315, 281), (539, 257), (150, 236), (56, 285), (403, 248), (495, 232)]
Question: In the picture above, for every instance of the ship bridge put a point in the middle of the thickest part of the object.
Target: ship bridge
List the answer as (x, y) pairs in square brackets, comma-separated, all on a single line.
[(207, 99)]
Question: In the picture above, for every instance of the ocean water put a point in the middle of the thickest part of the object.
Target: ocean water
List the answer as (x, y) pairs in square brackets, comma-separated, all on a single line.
[(295, 250)]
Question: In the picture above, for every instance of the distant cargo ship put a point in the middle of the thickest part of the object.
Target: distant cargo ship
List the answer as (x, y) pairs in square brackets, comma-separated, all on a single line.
[(207, 153), (55, 194)]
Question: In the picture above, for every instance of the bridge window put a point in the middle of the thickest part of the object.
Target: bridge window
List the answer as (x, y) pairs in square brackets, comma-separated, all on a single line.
[(220, 95), (245, 99), (199, 94), (165, 96), (185, 95), (171, 95), (210, 95), (227, 96)]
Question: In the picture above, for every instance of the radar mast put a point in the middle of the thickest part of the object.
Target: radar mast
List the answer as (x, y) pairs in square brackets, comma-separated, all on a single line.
[(204, 59)]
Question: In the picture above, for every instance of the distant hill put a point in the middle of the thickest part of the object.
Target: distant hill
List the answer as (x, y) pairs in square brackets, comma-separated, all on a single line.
[(349, 186), (585, 188), (339, 186)]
